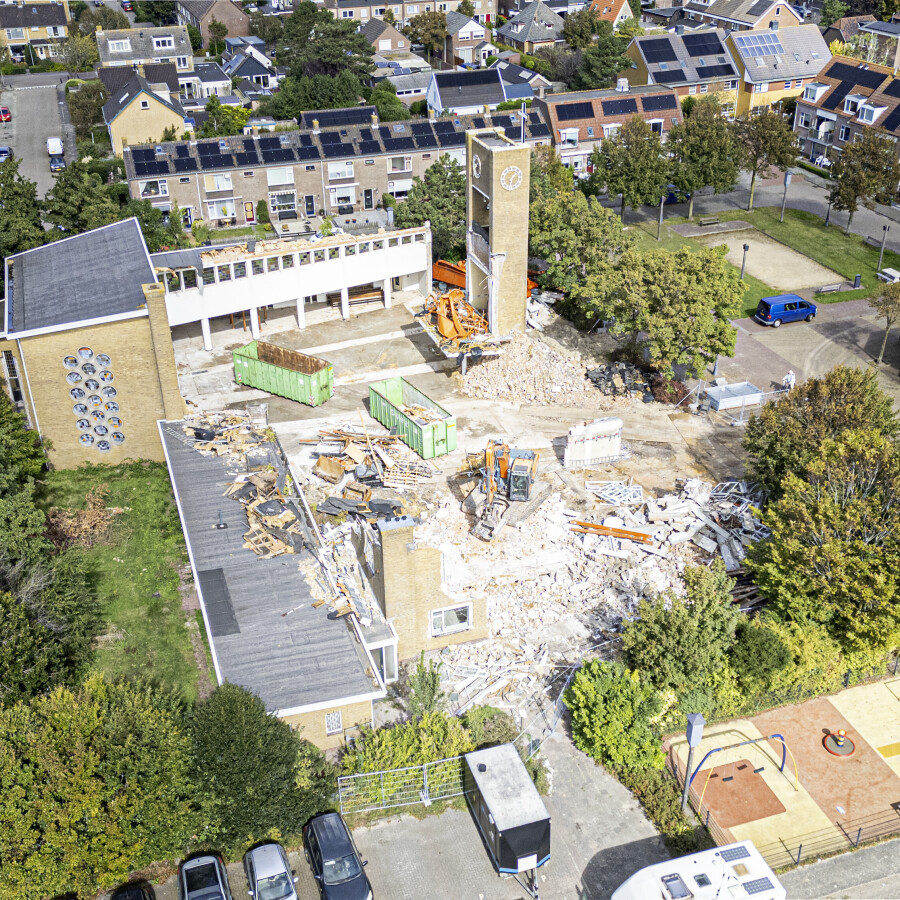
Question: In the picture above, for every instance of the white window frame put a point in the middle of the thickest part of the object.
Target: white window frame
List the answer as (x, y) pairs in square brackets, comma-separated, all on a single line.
[(162, 188), (453, 629), (334, 722), (342, 195), (181, 62), (120, 46), (214, 208), (15, 34), (278, 201), (220, 182), (166, 42), (340, 169), (844, 133), (280, 175), (145, 104), (704, 88), (393, 170)]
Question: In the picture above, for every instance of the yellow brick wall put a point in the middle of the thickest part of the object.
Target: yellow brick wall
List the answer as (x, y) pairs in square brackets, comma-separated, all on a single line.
[(143, 126), (785, 19), (312, 725), (639, 75)]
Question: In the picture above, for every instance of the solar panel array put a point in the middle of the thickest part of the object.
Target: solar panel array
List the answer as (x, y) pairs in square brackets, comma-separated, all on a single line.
[(369, 148), (269, 143), (217, 161), (188, 164), (754, 45), (732, 854), (335, 151), (143, 155), (540, 130), (247, 159), (469, 78), (392, 145), (659, 50), (758, 885), (893, 89), (182, 150), (307, 153), (419, 128), (714, 71), (659, 103), (155, 167), (703, 44), (623, 107), (329, 137), (424, 141), (280, 154), (568, 112), (331, 118), (668, 77), (863, 77)]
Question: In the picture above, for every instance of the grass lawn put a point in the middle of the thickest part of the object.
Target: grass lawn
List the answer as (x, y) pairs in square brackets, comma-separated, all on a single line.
[(147, 636)]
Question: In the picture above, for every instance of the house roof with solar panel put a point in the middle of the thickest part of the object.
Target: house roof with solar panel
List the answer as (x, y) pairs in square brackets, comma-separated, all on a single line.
[(743, 13), (681, 59), (773, 56)]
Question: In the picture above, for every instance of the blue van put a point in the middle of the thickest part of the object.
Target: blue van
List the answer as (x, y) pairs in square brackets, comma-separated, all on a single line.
[(784, 308)]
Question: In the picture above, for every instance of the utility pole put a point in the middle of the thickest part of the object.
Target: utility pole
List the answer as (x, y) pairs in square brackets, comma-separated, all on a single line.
[(787, 181), (886, 229), (694, 736), (662, 201), (744, 263)]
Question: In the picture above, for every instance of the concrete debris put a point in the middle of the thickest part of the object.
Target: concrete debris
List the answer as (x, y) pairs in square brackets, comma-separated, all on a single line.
[(529, 371), (594, 443), (621, 379), (616, 493)]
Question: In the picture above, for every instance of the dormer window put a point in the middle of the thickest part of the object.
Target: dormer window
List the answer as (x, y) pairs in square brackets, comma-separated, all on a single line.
[(869, 113), (814, 91), (852, 103)]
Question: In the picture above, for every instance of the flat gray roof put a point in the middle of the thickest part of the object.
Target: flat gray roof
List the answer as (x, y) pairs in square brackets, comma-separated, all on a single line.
[(507, 788), (288, 661)]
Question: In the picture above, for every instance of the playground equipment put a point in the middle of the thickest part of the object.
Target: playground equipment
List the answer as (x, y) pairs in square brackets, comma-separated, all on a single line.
[(838, 744)]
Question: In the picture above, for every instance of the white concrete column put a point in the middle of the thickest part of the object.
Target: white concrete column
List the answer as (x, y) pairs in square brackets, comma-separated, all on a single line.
[(254, 322), (207, 335), (386, 288), (301, 312), (322, 298), (345, 303)]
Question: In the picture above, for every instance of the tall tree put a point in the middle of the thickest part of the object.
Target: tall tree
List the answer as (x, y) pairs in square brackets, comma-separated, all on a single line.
[(704, 151), (266, 28), (315, 43), (196, 37), (786, 436), (866, 171), (767, 142), (86, 106), (105, 17), (581, 27), (305, 93), (223, 120), (218, 31), (390, 107), (77, 52), (466, 8), (887, 304), (548, 174), (158, 12), (428, 28), (440, 198), (20, 212), (832, 10), (632, 163), (602, 60), (77, 201)]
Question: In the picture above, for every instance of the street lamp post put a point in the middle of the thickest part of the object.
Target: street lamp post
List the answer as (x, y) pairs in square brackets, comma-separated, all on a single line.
[(828, 212), (744, 263), (886, 229), (694, 736), (662, 201), (787, 181)]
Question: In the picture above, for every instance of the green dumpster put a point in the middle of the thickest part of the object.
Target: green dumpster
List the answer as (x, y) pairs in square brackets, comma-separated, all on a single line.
[(420, 423), (283, 372)]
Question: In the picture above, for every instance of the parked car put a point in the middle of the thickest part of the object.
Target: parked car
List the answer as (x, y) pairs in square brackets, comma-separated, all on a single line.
[(137, 890), (57, 163), (775, 311), (55, 146), (334, 859), (5, 153), (269, 875), (5, 114), (203, 878)]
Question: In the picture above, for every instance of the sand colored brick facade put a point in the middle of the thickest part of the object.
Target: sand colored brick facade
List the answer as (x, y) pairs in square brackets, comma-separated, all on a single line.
[(314, 727), (137, 125)]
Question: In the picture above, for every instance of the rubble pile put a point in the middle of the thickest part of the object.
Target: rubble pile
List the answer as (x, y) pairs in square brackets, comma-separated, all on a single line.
[(621, 379), (529, 371), (232, 434)]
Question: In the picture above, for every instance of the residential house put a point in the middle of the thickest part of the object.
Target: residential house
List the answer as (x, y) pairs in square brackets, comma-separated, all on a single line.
[(879, 42), (139, 113), (200, 13), (336, 159), (209, 79), (774, 65), (580, 120), (411, 88), (116, 77), (845, 29), (465, 92), (34, 28), (146, 46), (694, 64), (534, 27), (247, 64), (509, 8), (519, 82), (383, 37), (366, 10), (614, 11), (743, 15), (846, 97), (463, 37)]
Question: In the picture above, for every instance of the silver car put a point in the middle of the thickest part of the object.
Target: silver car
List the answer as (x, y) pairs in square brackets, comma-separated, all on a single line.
[(203, 878), (269, 875)]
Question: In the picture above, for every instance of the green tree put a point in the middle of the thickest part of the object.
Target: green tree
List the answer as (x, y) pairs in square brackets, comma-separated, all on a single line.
[(77, 201), (786, 436), (218, 31), (105, 17), (21, 457), (315, 43), (266, 28), (390, 107), (158, 12), (262, 213), (223, 120), (630, 28), (613, 712), (298, 95), (263, 777), (886, 304), (428, 28), (196, 37), (86, 106), (704, 151), (466, 8), (832, 10), (93, 784), (581, 27), (77, 52), (20, 212), (440, 198), (490, 726), (681, 642), (758, 655), (390, 19), (425, 694), (767, 142), (633, 164), (601, 61), (548, 174), (865, 173), (833, 557)]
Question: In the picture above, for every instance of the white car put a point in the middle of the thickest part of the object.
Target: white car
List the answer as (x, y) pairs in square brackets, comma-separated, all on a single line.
[(269, 875)]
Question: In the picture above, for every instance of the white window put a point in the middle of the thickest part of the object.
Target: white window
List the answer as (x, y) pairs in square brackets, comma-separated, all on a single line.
[(220, 209), (777, 10), (845, 132), (412, 10), (280, 175), (692, 89), (153, 189), (343, 169), (704, 88), (762, 87), (334, 723), (342, 196), (867, 114), (611, 130), (120, 46), (730, 85), (15, 34), (181, 62), (218, 182), (282, 200), (145, 104), (347, 14), (163, 43), (804, 120), (399, 164), (798, 83), (451, 619)]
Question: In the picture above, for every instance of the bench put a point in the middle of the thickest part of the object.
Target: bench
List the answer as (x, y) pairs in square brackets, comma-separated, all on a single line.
[(829, 289), (709, 220), (872, 242)]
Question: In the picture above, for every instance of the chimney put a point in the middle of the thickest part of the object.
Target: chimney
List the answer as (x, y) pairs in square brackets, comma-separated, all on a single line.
[(622, 85), (375, 120), (140, 70), (315, 126)]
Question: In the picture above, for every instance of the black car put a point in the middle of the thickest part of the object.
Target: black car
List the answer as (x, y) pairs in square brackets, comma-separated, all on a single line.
[(136, 890), (203, 878), (334, 859)]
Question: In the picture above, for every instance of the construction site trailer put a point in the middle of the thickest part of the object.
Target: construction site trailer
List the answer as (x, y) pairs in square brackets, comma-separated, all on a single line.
[(419, 422), (283, 372), (509, 811)]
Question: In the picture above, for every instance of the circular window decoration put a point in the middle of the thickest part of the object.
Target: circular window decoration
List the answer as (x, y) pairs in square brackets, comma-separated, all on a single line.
[(92, 384), (106, 377), (103, 360), (79, 409), (104, 446), (98, 416), (83, 425), (115, 422), (109, 392), (85, 352), (89, 369), (76, 394), (70, 362), (73, 378), (86, 439), (112, 406), (118, 437), (94, 400), (101, 430)]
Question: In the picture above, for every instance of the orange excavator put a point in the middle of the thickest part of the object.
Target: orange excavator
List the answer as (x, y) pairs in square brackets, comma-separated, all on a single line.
[(507, 477)]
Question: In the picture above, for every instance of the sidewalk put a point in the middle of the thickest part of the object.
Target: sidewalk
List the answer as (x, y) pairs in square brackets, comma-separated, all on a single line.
[(872, 873)]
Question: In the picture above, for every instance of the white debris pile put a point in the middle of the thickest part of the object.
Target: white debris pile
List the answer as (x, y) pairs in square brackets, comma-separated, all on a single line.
[(530, 371)]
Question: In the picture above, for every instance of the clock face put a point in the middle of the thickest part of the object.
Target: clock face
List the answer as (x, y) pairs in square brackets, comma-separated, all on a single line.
[(511, 178), (476, 166)]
